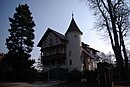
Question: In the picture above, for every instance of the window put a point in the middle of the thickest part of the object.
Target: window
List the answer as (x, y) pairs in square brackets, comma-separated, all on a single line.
[(70, 62), (75, 36), (69, 53)]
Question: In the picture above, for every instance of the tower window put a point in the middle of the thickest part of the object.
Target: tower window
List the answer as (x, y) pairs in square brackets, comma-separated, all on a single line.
[(69, 53), (70, 62)]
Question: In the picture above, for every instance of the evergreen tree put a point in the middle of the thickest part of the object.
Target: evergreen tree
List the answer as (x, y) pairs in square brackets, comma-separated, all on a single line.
[(20, 42)]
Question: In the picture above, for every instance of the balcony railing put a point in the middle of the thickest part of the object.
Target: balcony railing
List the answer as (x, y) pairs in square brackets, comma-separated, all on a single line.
[(53, 57)]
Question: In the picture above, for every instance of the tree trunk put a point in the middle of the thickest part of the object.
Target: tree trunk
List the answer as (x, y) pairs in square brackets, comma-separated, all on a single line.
[(125, 55), (123, 47), (117, 49), (124, 51)]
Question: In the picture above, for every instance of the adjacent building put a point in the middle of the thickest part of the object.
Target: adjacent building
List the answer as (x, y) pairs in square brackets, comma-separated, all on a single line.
[(62, 53)]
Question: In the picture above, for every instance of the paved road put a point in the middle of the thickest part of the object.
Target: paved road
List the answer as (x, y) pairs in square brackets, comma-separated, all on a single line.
[(45, 84)]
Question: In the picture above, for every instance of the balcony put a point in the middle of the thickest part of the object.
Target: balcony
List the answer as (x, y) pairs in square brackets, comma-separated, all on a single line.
[(54, 57)]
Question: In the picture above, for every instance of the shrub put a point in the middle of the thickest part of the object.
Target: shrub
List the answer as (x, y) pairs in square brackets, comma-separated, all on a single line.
[(74, 76), (90, 76)]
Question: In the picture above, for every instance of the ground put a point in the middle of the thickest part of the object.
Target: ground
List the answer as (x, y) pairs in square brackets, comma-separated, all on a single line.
[(42, 84), (47, 84)]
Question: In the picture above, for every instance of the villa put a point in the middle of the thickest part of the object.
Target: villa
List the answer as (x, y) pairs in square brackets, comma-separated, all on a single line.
[(62, 53)]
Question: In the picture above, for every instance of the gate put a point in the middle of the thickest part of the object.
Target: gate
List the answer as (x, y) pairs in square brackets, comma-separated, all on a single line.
[(58, 74)]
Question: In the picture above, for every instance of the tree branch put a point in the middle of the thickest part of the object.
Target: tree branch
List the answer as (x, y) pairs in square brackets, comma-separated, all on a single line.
[(107, 25)]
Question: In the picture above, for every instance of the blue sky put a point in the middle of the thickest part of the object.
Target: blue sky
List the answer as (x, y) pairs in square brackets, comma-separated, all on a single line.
[(55, 14)]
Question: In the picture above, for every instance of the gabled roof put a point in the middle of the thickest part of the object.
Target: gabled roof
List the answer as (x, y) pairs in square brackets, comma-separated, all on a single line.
[(86, 50), (73, 27), (86, 46), (89, 54), (61, 36)]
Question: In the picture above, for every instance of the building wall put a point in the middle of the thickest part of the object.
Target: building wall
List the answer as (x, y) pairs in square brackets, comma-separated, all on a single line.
[(73, 51)]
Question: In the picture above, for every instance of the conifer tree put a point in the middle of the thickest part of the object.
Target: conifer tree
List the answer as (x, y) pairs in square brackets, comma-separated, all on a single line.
[(20, 42)]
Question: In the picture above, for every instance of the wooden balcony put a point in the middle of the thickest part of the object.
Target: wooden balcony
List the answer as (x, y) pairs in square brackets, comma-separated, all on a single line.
[(59, 58), (55, 57), (53, 47)]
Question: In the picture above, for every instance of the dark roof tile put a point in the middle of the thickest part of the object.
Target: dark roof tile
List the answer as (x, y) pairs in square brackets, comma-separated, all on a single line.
[(73, 27), (61, 36)]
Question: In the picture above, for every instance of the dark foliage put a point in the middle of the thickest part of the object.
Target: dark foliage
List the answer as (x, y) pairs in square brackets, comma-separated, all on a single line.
[(74, 76), (21, 32), (20, 44), (90, 76)]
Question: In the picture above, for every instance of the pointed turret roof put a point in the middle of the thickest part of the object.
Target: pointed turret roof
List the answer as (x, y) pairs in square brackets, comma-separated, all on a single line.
[(73, 27)]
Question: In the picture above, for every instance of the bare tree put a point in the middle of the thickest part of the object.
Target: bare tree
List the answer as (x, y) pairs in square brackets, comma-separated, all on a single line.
[(109, 58), (113, 18), (123, 25)]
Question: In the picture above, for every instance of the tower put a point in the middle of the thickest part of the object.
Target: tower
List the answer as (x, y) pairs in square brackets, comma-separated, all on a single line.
[(73, 47)]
